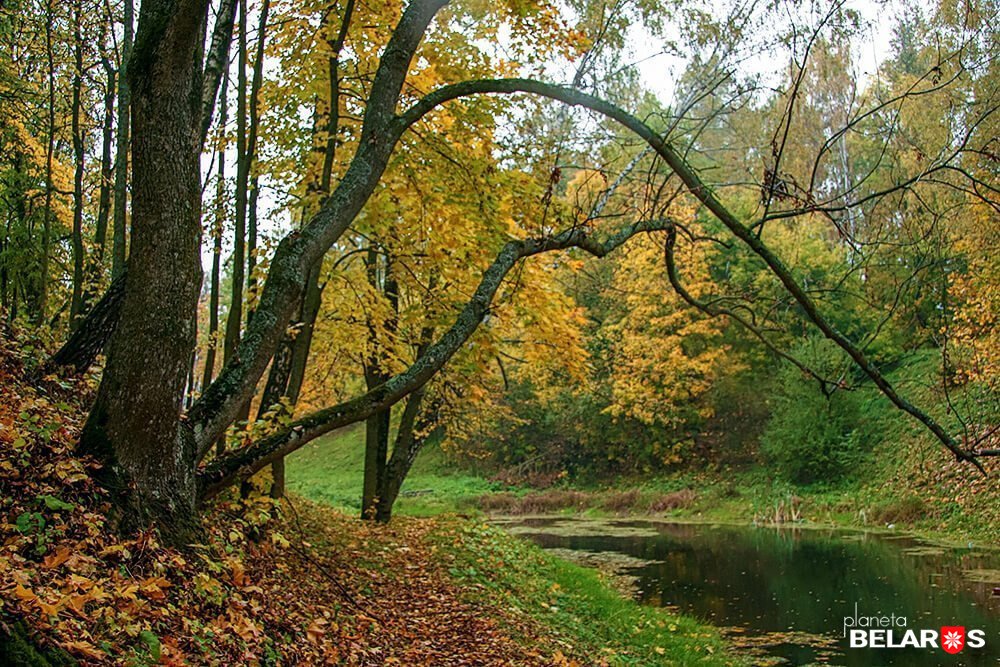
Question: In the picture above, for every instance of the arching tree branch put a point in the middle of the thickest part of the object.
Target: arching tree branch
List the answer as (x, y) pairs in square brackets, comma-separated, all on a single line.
[(243, 463), (708, 198)]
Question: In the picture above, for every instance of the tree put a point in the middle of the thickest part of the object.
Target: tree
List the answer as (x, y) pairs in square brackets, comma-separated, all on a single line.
[(151, 450)]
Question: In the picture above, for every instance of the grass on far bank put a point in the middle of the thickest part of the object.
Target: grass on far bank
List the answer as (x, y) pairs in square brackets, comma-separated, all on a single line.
[(927, 494), (330, 470)]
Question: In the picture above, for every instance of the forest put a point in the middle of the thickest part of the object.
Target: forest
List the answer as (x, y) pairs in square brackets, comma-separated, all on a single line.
[(430, 332)]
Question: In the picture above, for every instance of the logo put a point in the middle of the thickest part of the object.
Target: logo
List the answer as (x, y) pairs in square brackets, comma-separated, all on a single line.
[(892, 632), (952, 638)]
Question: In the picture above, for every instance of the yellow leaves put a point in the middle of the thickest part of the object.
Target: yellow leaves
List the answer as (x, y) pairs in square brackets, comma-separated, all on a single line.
[(316, 630), (153, 587), (667, 354), (560, 660)]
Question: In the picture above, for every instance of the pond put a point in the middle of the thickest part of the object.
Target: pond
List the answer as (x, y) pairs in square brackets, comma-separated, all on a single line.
[(785, 595)]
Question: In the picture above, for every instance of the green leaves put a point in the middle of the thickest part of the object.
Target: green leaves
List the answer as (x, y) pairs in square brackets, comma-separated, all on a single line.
[(152, 643), (55, 504)]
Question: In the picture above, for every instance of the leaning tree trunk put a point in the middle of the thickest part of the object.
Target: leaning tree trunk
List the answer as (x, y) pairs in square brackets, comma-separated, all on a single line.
[(404, 452), (135, 425), (81, 349)]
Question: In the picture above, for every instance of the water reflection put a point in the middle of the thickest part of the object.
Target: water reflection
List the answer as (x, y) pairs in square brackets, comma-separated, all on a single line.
[(784, 594)]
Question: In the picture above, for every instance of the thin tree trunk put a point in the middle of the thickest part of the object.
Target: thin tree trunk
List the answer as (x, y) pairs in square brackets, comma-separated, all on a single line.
[(234, 322), (404, 452), (76, 302), (255, 86), (218, 228), (118, 236), (135, 426), (107, 167), (377, 426), (43, 287), (217, 63)]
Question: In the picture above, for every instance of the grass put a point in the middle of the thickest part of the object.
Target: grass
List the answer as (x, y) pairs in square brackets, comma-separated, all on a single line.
[(578, 609), (330, 470), (575, 603)]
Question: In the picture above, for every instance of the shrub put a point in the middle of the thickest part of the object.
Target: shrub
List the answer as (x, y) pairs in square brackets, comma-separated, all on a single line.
[(904, 510), (814, 438), (672, 501)]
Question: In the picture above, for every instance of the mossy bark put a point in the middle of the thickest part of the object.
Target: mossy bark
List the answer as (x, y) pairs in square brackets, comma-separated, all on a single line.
[(19, 649)]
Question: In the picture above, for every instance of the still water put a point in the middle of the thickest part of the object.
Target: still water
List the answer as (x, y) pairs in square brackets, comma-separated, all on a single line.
[(782, 595)]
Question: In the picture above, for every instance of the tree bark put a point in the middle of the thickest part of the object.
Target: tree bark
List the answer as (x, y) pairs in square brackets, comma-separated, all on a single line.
[(408, 442), (43, 286), (135, 426), (255, 85), (81, 349), (107, 167), (217, 63), (377, 426), (404, 453)]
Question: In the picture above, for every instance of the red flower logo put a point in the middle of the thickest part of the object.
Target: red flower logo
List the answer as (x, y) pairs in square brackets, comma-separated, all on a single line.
[(952, 638)]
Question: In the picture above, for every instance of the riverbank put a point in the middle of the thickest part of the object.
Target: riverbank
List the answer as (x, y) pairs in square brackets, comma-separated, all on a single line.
[(928, 494), (289, 583), (959, 510)]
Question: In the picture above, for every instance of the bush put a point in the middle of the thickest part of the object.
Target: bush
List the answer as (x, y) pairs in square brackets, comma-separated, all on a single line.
[(673, 501), (905, 510), (813, 438)]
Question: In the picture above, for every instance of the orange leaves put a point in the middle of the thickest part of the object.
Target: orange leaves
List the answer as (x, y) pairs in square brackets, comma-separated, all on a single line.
[(24, 594), (316, 630), (60, 556), (84, 649)]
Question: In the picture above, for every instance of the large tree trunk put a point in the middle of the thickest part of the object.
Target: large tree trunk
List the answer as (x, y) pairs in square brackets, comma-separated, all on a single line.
[(135, 426)]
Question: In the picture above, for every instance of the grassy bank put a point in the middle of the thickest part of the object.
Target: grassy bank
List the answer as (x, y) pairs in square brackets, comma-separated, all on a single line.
[(572, 613), (329, 470), (927, 494), (576, 605)]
